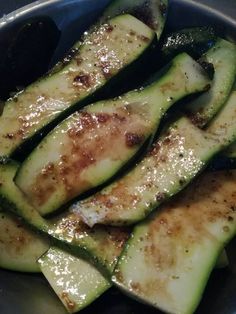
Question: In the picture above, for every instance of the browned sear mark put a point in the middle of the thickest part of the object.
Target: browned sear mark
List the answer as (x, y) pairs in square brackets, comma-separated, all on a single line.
[(9, 136), (144, 38), (79, 61), (103, 117), (82, 80), (69, 303), (106, 69), (109, 28), (133, 139), (197, 118), (160, 197)]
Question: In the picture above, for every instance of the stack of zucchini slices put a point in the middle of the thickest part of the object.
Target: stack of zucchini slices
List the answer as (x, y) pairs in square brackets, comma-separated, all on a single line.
[(95, 192)]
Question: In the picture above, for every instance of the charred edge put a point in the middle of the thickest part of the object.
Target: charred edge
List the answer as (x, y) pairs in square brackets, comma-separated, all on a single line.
[(144, 13)]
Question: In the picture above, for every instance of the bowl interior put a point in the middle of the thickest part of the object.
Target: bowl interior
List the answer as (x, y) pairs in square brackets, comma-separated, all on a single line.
[(27, 294)]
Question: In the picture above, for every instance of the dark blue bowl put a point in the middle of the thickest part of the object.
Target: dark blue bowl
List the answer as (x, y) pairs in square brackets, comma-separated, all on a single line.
[(30, 294)]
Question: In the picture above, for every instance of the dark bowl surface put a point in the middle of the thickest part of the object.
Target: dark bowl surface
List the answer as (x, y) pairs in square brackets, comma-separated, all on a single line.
[(30, 294)]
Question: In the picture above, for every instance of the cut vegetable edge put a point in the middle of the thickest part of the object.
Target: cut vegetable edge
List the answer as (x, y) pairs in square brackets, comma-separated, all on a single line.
[(19, 245), (60, 94), (168, 259), (222, 56), (152, 13), (93, 209), (183, 152), (64, 165), (100, 246), (76, 282)]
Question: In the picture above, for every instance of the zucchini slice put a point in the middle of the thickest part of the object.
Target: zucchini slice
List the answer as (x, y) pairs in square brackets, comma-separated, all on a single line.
[(20, 247), (223, 57), (152, 13), (100, 245), (195, 41), (182, 153), (106, 52), (169, 258), (186, 147), (92, 145), (76, 282), (103, 246)]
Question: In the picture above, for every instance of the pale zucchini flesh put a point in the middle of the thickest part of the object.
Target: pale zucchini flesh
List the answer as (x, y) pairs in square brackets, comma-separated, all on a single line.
[(103, 246), (223, 57), (92, 145), (182, 153), (153, 13), (76, 282), (20, 247), (104, 53), (100, 245), (169, 258)]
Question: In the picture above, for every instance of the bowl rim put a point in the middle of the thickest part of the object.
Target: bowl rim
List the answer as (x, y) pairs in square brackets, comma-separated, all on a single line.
[(41, 4)]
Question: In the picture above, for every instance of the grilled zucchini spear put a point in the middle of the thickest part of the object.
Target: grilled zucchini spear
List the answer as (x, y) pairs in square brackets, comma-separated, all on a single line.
[(104, 55), (180, 155), (91, 146), (170, 256), (171, 164), (152, 13)]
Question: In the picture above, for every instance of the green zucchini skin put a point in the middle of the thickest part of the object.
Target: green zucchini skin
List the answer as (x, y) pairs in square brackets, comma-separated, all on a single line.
[(222, 56), (194, 41), (152, 13), (76, 282), (223, 260), (42, 105), (102, 246), (169, 257), (231, 151), (103, 207), (20, 247), (183, 151), (92, 145)]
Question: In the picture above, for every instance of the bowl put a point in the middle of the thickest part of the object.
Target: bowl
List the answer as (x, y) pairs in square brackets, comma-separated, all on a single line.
[(31, 294)]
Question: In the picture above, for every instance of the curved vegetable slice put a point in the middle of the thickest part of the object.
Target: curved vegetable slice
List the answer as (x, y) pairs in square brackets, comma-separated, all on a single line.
[(100, 245), (91, 146), (223, 57), (182, 153), (20, 247), (76, 282), (152, 12), (169, 258), (104, 53), (194, 41), (191, 149), (103, 246)]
